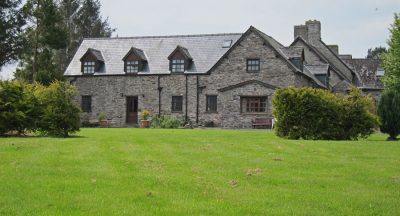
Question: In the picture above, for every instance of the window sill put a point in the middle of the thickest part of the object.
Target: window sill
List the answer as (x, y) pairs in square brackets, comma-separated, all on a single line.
[(253, 72), (211, 112), (255, 113), (178, 112), (87, 74)]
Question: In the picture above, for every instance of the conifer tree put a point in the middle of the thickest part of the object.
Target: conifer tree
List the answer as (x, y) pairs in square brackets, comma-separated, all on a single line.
[(11, 23), (45, 35), (82, 19), (391, 60)]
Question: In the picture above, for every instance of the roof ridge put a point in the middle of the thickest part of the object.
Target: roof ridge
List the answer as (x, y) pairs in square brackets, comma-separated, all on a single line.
[(364, 59), (161, 36)]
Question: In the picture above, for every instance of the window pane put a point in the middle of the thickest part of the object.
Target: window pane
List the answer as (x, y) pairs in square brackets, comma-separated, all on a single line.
[(132, 66), (178, 65), (211, 103), (177, 103), (86, 104), (253, 65), (88, 67), (254, 104)]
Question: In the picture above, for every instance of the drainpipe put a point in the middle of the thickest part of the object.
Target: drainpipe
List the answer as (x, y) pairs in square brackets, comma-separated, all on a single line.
[(186, 101), (197, 99), (159, 95)]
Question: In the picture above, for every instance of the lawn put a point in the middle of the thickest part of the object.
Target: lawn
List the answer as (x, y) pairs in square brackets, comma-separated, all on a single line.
[(197, 172)]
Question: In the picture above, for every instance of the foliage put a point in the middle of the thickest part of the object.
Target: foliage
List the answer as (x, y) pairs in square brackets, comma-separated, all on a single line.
[(209, 124), (44, 35), (11, 23), (165, 121), (389, 112), (61, 115), (310, 113), (82, 20), (102, 116), (391, 60), (144, 115), (376, 53), (18, 108), (33, 107)]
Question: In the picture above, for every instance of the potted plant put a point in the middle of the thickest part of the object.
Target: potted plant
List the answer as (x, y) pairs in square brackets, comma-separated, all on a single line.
[(103, 120), (144, 119)]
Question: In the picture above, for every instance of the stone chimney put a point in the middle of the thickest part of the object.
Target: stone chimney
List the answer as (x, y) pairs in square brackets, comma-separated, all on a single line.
[(334, 48), (301, 30), (310, 32), (314, 30)]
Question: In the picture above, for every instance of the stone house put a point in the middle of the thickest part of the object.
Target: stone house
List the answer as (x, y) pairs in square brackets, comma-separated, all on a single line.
[(223, 79)]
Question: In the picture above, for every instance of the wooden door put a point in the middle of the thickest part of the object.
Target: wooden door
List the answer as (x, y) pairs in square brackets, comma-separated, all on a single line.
[(132, 110)]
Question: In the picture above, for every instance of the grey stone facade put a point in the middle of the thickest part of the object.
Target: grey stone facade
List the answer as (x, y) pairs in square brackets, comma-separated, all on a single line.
[(226, 77)]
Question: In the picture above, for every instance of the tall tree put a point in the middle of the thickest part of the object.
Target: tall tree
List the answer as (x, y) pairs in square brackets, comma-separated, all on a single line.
[(68, 10), (376, 53), (389, 112), (82, 19), (45, 35), (11, 23), (391, 60)]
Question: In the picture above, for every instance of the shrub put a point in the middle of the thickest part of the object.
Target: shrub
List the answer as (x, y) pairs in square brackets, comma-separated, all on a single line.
[(389, 112), (144, 115), (19, 108), (310, 113), (209, 124), (61, 115), (165, 121), (33, 107), (102, 116)]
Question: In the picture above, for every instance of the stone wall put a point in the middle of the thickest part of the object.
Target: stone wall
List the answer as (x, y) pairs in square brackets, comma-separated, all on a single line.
[(232, 70), (109, 92)]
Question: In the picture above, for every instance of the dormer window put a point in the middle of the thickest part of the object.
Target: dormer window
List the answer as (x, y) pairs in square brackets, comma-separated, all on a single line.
[(89, 67), (132, 66), (178, 65), (92, 61), (180, 60), (134, 61)]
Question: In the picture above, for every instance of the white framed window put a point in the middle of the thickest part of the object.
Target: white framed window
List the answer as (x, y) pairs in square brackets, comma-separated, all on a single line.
[(132, 66), (253, 65), (177, 65), (89, 67)]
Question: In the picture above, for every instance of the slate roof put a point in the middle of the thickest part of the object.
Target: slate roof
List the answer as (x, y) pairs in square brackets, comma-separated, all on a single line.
[(335, 60), (292, 52), (266, 85), (205, 50), (366, 69), (95, 53), (137, 52), (318, 69), (183, 50)]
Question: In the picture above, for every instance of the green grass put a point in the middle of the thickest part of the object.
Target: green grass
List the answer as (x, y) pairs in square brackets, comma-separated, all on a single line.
[(197, 172)]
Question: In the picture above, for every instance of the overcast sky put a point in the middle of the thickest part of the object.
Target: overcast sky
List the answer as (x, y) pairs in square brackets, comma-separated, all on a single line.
[(355, 25)]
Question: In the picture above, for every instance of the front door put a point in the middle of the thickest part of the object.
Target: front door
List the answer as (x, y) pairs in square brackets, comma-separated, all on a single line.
[(131, 110)]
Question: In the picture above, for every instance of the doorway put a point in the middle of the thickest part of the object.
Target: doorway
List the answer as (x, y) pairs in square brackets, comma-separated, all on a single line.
[(132, 109)]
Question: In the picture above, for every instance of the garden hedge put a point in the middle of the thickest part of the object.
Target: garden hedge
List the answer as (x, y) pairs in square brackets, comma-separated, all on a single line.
[(318, 114)]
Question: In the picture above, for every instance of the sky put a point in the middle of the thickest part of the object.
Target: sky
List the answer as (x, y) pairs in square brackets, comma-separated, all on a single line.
[(354, 25)]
